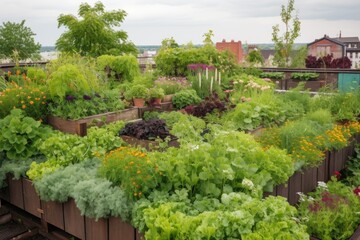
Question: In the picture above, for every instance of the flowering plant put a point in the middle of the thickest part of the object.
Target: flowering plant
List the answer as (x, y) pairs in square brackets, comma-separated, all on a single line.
[(32, 100), (331, 212), (132, 170)]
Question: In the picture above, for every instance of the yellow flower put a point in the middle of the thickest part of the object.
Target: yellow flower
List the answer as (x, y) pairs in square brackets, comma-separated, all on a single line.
[(23, 106)]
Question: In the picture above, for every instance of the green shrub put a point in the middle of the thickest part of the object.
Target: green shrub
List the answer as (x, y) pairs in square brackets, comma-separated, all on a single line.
[(185, 98), (36, 75), (272, 75), (137, 91), (122, 68), (304, 76), (68, 80)]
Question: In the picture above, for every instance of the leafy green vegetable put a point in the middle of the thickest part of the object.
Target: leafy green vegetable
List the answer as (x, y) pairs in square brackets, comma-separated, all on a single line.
[(20, 136)]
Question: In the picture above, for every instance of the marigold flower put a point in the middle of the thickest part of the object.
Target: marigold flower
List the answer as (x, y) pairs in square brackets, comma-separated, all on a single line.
[(31, 102), (23, 106)]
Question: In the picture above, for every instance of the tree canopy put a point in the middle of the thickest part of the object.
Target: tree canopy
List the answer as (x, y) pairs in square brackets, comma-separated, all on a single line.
[(17, 42), (93, 33), (284, 43)]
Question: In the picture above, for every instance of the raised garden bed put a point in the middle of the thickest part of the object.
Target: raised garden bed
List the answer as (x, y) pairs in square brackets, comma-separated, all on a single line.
[(79, 126), (312, 85), (307, 180), (56, 216)]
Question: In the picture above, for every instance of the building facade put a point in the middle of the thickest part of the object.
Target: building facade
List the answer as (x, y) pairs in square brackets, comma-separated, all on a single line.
[(352, 49), (339, 47), (234, 47), (325, 45)]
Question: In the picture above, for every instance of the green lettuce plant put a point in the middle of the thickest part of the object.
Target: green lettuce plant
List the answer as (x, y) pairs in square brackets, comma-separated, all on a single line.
[(21, 136), (185, 98), (62, 149)]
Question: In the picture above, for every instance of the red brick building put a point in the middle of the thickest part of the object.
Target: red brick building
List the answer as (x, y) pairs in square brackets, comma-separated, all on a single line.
[(234, 47), (326, 45)]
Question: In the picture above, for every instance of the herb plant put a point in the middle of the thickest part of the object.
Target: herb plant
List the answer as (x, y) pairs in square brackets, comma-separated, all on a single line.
[(132, 170)]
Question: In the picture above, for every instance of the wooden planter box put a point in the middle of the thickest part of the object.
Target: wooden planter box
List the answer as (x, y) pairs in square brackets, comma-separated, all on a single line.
[(96, 230), (32, 203), (164, 107), (79, 126), (147, 144), (53, 213), (73, 221), (16, 196), (312, 85), (307, 180), (120, 230)]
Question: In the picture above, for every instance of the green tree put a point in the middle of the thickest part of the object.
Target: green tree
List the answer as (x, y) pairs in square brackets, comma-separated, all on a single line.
[(17, 42), (255, 57), (92, 34), (284, 43), (169, 43), (208, 38), (298, 60)]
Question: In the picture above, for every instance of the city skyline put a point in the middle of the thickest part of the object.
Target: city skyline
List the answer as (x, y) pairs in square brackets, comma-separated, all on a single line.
[(148, 23)]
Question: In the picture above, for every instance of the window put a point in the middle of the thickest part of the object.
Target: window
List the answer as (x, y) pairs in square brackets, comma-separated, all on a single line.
[(323, 50)]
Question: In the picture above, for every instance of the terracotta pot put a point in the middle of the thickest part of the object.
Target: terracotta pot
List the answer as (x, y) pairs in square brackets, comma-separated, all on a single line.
[(156, 101), (139, 102), (168, 98)]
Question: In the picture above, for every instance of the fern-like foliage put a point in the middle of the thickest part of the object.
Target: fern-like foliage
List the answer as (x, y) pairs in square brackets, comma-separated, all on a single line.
[(97, 198), (59, 185)]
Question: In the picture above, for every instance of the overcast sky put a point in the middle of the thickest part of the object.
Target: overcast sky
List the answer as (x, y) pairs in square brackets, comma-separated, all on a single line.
[(148, 22)]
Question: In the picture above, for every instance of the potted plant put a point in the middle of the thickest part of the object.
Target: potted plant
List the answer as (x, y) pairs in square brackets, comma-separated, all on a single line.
[(138, 93), (156, 95)]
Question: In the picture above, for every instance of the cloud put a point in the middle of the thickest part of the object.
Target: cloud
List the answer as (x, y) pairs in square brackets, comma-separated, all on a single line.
[(148, 22)]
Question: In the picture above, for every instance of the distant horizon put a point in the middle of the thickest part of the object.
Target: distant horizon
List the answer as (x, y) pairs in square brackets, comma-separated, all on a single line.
[(261, 46)]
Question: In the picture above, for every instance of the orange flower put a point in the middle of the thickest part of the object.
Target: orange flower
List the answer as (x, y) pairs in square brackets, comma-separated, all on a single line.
[(31, 102), (23, 106)]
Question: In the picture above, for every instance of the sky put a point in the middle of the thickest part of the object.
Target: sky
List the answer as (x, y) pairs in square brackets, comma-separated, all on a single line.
[(149, 22)]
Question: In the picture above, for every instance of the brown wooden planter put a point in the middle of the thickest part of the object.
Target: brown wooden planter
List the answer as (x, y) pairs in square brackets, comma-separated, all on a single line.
[(16, 196), (73, 221), (322, 170), (312, 85), (294, 187), (163, 107), (282, 190), (79, 126), (31, 199), (309, 180), (96, 230), (53, 213), (147, 144), (120, 230)]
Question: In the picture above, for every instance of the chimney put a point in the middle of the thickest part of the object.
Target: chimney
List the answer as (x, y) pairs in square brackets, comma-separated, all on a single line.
[(340, 34)]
